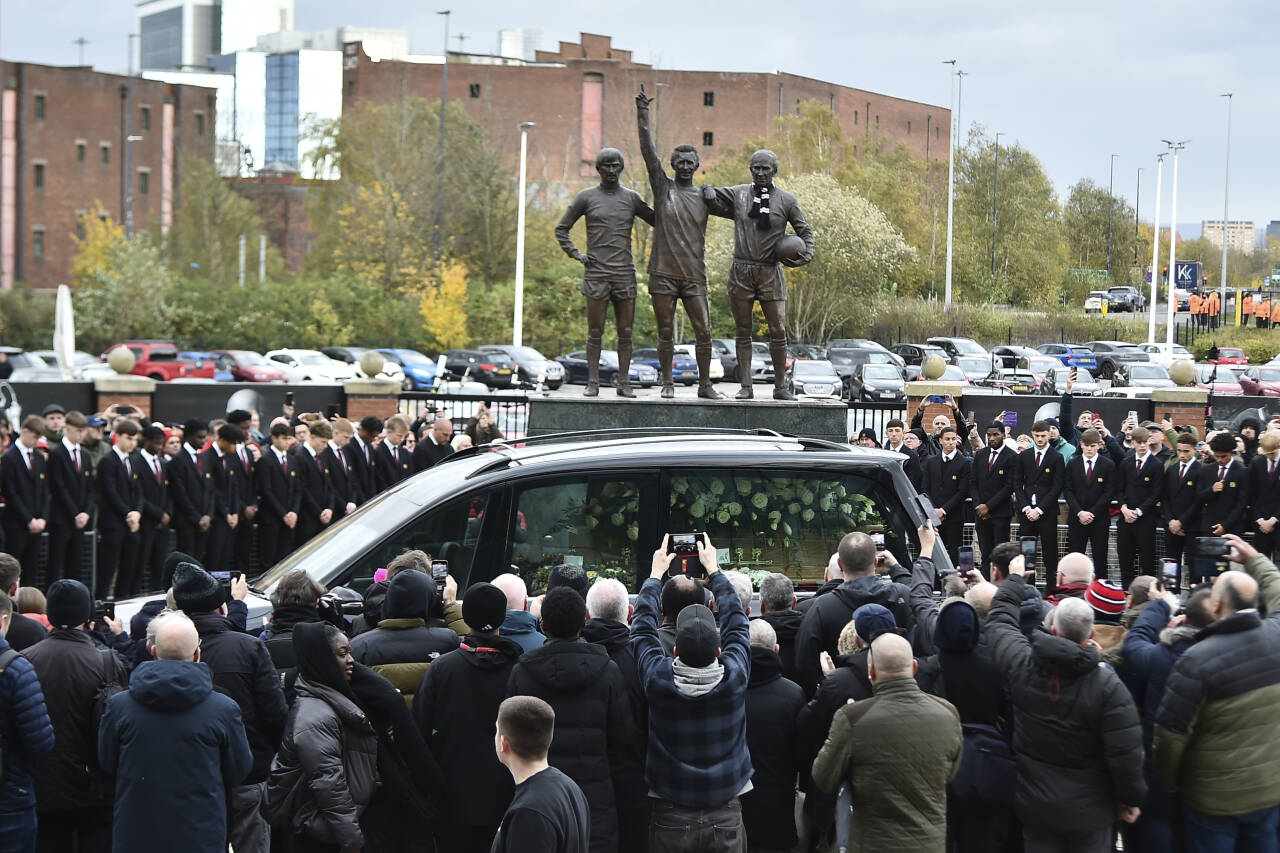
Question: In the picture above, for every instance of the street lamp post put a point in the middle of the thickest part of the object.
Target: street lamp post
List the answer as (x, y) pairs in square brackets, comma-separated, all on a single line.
[(1155, 254), (951, 177), (1111, 206), (1226, 195), (1137, 205), (1173, 240), (995, 197), (517, 335), (444, 102), (126, 156)]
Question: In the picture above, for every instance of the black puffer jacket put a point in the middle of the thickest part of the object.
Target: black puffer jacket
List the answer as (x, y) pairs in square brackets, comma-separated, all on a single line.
[(374, 596), (786, 624), (455, 707), (773, 706), (594, 729), (1078, 739), (242, 669), (632, 792), (403, 645), (823, 622), (278, 635)]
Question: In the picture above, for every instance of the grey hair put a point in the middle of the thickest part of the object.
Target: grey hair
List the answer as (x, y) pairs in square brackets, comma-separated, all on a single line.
[(742, 586), (1074, 619), (607, 599), (154, 625), (762, 635), (777, 592)]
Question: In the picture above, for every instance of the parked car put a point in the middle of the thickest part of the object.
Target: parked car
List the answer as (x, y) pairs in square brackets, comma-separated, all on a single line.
[(418, 368), (761, 362), (309, 365), (1111, 354), (528, 361), (1230, 355), (575, 369), (845, 361), (352, 355), (960, 346), (917, 353), (494, 369), (30, 367), (684, 370), (1054, 382), (974, 367), (1219, 379), (1009, 380), (1072, 355), (1125, 297), (1260, 381), (159, 360), (1096, 301), (815, 378), (1161, 353), (1142, 375), (807, 351), (954, 374), (715, 369), (83, 365), (1041, 365), (876, 382), (247, 366), (725, 349), (1013, 356), (863, 343)]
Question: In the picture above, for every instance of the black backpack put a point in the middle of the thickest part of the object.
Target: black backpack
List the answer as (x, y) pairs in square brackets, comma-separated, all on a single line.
[(110, 687)]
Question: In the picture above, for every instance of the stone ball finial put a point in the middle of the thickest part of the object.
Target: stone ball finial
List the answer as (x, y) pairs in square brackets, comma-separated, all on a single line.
[(1182, 372), (371, 363), (121, 360), (933, 367)]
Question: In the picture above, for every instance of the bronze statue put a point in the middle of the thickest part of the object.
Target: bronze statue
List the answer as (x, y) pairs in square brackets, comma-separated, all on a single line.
[(609, 272), (760, 213), (677, 271)]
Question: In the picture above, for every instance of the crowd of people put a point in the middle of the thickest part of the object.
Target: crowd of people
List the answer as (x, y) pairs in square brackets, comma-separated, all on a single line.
[(228, 492)]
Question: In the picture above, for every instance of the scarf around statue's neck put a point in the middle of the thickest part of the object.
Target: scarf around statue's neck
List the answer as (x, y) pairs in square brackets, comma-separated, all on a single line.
[(760, 205)]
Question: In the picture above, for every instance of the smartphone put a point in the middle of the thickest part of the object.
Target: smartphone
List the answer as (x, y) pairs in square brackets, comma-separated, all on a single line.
[(966, 560), (1168, 416), (1133, 415), (1212, 546), (938, 398), (685, 548), (877, 536), (102, 609), (1073, 374), (288, 398), (440, 571), (1011, 419), (331, 411), (1169, 575), (1028, 544)]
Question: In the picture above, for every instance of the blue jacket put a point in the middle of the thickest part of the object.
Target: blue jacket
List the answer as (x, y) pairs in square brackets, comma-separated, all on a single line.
[(697, 756), (25, 731), (175, 747), (521, 628), (1148, 662)]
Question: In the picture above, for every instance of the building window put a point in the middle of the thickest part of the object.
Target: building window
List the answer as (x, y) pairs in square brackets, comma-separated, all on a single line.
[(199, 124), (708, 139), (39, 176), (144, 120), (592, 136), (106, 153), (908, 128), (37, 242), (474, 89), (40, 107), (708, 99), (144, 183), (877, 122), (80, 230), (351, 89), (937, 133), (80, 153), (855, 118)]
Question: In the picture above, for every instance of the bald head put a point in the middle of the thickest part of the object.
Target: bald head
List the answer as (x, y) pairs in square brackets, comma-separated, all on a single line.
[(857, 555), (833, 568), (175, 637), (979, 597), (1075, 568), (514, 589), (1232, 592), (890, 658)]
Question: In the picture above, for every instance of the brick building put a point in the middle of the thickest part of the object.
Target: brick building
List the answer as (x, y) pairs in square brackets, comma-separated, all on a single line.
[(582, 97), (280, 199), (62, 135)]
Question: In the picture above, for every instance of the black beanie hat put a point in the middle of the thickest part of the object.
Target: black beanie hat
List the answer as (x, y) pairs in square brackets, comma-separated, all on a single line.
[(484, 608), (171, 563), (68, 604), (195, 590)]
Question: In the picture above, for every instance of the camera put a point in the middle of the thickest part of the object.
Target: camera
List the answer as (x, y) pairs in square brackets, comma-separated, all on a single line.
[(103, 609), (685, 547), (1212, 546)]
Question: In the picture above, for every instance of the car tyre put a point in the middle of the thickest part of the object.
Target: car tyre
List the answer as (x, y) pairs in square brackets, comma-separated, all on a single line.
[(406, 384)]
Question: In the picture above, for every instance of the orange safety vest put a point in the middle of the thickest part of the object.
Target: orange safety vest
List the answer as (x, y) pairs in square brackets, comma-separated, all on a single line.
[(1214, 305), (1195, 303), (1262, 308), (1247, 306), (1275, 312)]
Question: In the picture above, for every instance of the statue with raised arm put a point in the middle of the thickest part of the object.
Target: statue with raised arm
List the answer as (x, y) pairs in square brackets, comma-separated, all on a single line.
[(609, 271), (677, 270), (760, 213)]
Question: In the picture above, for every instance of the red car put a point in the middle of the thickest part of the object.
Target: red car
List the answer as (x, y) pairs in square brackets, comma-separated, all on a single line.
[(248, 366), (1230, 355), (1261, 381), (1224, 382), (159, 360)]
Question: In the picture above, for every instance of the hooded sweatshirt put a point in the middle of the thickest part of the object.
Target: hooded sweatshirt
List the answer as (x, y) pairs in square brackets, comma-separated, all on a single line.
[(522, 628), (403, 645), (786, 623)]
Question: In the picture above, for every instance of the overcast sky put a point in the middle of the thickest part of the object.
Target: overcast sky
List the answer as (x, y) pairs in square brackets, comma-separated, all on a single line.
[(1073, 82)]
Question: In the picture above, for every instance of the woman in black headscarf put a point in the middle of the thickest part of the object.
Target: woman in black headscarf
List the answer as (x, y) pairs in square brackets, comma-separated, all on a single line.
[(347, 728)]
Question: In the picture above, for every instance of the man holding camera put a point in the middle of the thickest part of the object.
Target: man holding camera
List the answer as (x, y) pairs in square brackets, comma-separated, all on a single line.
[(698, 763)]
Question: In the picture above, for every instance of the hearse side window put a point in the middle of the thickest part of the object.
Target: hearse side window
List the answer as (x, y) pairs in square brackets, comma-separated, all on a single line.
[(449, 532)]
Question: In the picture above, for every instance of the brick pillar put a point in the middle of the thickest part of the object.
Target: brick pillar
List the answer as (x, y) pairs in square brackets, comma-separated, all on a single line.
[(917, 391), (125, 390), (1186, 405), (377, 397)]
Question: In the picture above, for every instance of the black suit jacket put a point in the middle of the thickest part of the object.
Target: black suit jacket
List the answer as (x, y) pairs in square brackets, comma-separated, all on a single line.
[(1179, 499), (245, 479), (278, 493), (993, 485), (26, 491), (157, 500), (190, 490), (341, 478), (388, 472), (947, 483), (1141, 489), (1095, 494), (315, 492), (1264, 491), (364, 480), (1045, 482), (73, 493), (119, 492), (1225, 507), (427, 453), (222, 475)]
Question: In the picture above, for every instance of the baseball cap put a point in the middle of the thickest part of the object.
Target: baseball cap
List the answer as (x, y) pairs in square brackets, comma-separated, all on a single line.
[(53, 408), (96, 422), (872, 620), (697, 636)]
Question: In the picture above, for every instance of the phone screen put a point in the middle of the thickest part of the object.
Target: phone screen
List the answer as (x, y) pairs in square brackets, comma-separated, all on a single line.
[(877, 536), (966, 559), (1011, 419), (1029, 552)]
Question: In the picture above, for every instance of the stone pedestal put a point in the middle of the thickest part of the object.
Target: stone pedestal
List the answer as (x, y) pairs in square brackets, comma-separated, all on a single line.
[(1186, 405), (377, 397), (125, 390), (810, 418)]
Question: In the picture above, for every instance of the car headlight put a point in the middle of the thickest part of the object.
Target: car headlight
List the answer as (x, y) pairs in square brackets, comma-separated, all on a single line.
[(870, 387)]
